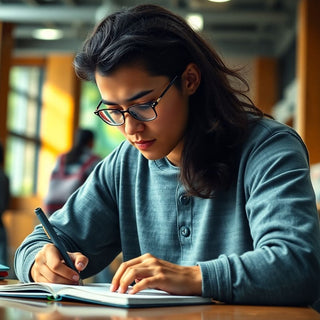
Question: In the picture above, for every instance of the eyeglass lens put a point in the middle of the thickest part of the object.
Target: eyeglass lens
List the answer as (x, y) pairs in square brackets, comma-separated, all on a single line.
[(143, 112)]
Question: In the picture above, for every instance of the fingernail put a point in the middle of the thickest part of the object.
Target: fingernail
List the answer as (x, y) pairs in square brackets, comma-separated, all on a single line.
[(75, 277), (80, 265), (112, 288)]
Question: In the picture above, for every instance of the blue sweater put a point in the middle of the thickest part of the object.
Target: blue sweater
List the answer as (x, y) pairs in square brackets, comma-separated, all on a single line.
[(256, 243)]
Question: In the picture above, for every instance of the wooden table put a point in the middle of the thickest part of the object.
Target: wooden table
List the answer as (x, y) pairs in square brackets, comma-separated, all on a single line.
[(26, 309), (23, 310)]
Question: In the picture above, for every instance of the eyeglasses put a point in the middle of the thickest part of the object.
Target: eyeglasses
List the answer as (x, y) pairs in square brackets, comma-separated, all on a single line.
[(141, 112)]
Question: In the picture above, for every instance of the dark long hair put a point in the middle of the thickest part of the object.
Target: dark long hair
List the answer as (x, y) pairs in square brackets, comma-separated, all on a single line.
[(83, 139), (164, 44)]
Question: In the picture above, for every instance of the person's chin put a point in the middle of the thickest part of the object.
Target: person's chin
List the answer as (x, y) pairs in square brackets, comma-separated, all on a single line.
[(150, 155)]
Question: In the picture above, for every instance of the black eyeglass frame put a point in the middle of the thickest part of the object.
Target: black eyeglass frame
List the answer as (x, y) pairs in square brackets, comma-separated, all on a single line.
[(151, 105)]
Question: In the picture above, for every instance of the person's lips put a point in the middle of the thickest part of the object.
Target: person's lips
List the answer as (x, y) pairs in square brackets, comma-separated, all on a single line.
[(144, 144)]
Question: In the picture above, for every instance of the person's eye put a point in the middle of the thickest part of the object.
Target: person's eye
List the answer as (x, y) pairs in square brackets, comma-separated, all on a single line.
[(144, 106), (113, 111)]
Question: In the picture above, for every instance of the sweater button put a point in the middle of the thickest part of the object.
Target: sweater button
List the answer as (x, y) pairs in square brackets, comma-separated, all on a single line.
[(184, 199), (185, 231)]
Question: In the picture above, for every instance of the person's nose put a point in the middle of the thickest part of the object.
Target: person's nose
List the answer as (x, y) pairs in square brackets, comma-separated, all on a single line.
[(132, 125)]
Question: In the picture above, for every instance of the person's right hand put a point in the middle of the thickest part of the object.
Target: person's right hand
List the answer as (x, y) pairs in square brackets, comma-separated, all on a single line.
[(50, 267)]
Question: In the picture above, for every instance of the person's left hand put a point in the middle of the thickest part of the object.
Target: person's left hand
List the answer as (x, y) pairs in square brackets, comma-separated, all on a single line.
[(148, 271)]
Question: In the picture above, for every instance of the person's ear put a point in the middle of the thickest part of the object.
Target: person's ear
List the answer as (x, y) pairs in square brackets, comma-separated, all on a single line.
[(191, 78)]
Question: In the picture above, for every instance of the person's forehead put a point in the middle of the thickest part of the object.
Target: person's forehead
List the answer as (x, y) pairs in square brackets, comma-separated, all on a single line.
[(127, 85)]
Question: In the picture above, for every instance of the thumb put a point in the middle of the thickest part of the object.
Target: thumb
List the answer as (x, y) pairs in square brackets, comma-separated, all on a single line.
[(80, 261)]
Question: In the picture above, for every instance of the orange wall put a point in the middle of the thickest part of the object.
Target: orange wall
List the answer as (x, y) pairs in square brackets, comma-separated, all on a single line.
[(308, 67), (266, 83), (60, 111), (6, 45)]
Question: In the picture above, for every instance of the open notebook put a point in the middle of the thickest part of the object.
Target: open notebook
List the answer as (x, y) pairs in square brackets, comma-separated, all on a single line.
[(98, 293)]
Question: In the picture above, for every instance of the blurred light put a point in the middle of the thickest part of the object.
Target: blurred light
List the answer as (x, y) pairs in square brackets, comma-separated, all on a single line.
[(195, 20), (47, 34), (219, 0)]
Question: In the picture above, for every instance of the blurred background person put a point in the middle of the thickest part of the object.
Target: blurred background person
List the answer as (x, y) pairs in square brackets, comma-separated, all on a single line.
[(4, 203), (71, 170)]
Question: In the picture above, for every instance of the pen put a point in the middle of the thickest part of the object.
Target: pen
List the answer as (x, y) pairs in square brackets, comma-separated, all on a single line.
[(48, 229)]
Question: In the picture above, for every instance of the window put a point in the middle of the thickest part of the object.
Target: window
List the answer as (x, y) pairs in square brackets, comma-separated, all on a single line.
[(106, 137), (23, 122)]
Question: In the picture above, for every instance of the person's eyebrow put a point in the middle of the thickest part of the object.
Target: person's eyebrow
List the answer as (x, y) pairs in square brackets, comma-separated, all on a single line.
[(132, 98)]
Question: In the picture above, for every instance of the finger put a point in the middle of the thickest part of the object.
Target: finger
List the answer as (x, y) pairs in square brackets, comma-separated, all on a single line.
[(173, 279), (39, 264), (144, 267), (163, 275), (57, 276), (59, 273), (80, 261), (115, 283), (49, 264), (40, 272), (154, 282), (37, 276), (136, 274)]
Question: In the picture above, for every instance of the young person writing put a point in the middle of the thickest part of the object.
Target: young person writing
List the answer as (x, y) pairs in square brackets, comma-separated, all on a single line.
[(206, 196)]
